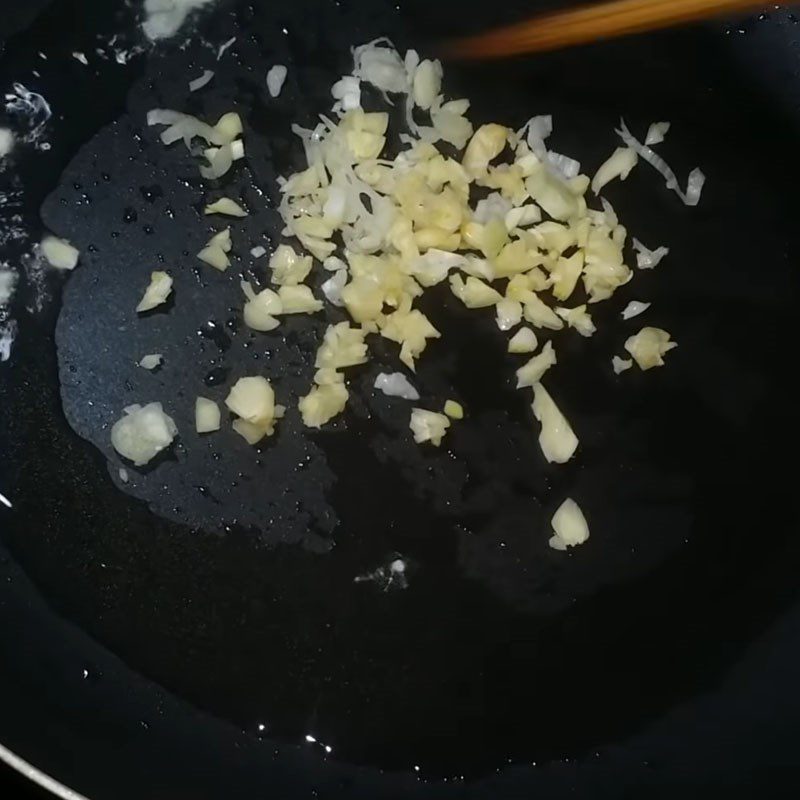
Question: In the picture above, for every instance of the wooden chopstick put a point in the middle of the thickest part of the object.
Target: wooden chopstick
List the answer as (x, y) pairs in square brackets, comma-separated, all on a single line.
[(605, 20)]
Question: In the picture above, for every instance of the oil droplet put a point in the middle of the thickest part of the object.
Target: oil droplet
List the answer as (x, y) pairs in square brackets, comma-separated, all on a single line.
[(129, 215), (216, 376), (151, 193)]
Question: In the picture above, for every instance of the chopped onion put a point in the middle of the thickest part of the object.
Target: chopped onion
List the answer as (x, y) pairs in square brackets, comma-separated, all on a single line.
[(557, 439), (696, 180), (453, 409), (332, 288), (509, 313), (432, 267), (411, 329), (333, 264), (522, 216), (428, 426), (474, 293), (378, 63), (142, 433), (620, 364), (215, 257), (532, 372), (342, 346), (578, 318), (565, 275), (322, 404), (427, 83), (647, 259), (618, 165), (495, 206), (298, 300), (223, 47), (523, 341), (199, 83), (253, 401), (220, 160), (260, 309), (634, 308), (206, 415), (649, 346), (215, 252), (275, 78), (59, 253), (258, 251), (395, 384), (347, 92), (288, 268), (7, 142), (151, 361), (569, 526), (656, 133), (486, 144), (226, 206), (156, 293), (542, 316)]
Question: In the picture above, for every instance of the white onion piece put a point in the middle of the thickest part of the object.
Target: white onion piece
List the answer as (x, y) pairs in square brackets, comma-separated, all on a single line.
[(156, 293), (618, 165), (214, 256), (427, 83), (225, 206), (536, 130), (298, 300), (395, 384), (646, 258), (523, 341), (220, 160), (347, 92), (649, 346), (656, 133), (164, 116), (332, 288), (569, 526), (323, 403), (7, 142), (620, 364), (694, 186), (253, 400), (566, 166), (522, 216), (223, 47), (151, 361), (378, 63), (557, 439), (473, 292), (428, 426), (142, 433), (634, 308), (275, 79), (495, 206), (199, 83), (433, 267), (333, 264), (59, 253), (509, 314), (260, 309), (258, 251), (532, 372), (207, 415), (578, 318)]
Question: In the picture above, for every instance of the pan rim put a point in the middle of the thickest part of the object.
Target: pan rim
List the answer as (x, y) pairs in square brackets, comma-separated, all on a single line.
[(37, 776)]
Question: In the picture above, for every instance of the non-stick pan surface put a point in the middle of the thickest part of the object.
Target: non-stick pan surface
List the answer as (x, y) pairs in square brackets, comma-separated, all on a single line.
[(222, 579)]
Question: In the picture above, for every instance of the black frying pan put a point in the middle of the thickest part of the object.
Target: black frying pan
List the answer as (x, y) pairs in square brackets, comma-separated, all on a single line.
[(198, 632)]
